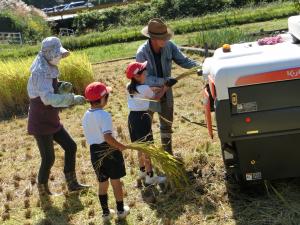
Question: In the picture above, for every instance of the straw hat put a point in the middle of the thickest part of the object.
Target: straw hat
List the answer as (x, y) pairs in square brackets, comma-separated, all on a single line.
[(157, 29)]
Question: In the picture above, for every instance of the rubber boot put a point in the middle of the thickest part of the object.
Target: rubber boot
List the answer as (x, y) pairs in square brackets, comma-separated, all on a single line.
[(73, 184), (167, 144), (44, 190)]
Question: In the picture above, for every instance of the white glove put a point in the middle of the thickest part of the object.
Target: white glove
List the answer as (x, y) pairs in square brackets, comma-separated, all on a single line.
[(79, 100)]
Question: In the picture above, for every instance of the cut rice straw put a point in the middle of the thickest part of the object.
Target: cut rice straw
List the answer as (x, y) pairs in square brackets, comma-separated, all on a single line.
[(171, 167), (188, 73)]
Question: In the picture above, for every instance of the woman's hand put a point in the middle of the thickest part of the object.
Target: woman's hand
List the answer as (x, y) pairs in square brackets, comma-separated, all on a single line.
[(79, 100)]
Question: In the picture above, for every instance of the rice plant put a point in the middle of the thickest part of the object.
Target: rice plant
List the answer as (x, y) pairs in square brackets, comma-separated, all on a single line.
[(14, 77)]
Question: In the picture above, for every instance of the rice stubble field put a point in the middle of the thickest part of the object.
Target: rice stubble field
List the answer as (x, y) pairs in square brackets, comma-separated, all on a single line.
[(210, 199)]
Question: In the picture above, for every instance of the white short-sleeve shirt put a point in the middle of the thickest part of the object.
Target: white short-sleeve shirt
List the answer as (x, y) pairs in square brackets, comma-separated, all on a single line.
[(96, 123), (140, 101)]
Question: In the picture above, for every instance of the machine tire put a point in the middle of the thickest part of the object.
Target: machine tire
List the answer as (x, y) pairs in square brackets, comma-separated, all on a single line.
[(228, 162), (239, 179)]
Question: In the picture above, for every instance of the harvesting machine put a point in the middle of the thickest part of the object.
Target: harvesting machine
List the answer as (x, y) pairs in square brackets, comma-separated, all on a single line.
[(254, 91)]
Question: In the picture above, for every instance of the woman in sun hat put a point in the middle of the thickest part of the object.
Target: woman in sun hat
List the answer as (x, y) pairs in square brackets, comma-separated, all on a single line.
[(47, 95), (160, 52)]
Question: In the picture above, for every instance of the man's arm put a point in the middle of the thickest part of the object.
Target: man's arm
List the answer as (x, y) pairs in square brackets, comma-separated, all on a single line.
[(140, 56), (181, 59)]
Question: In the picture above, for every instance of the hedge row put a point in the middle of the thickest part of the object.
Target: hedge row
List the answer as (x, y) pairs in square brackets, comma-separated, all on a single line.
[(32, 27), (140, 13), (187, 25), (126, 34)]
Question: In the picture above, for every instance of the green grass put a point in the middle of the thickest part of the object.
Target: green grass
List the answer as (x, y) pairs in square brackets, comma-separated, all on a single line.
[(182, 26), (104, 53)]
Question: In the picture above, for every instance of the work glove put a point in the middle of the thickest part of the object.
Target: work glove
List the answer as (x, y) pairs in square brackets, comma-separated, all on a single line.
[(64, 87), (199, 72), (170, 82), (78, 100)]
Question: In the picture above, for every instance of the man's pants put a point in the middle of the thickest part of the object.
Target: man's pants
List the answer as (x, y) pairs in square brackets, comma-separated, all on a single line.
[(166, 121)]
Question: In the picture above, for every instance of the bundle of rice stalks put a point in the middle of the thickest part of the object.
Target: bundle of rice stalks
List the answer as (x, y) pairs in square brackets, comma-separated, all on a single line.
[(171, 167), (165, 163), (191, 71)]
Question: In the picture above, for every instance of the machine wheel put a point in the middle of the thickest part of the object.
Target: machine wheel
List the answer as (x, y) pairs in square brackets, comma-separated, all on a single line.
[(238, 178), (229, 163)]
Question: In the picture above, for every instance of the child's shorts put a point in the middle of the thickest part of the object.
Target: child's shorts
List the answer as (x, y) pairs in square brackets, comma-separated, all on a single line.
[(139, 124), (112, 166)]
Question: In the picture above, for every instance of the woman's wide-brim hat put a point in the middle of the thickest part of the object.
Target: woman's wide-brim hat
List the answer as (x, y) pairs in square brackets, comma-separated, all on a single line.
[(157, 29)]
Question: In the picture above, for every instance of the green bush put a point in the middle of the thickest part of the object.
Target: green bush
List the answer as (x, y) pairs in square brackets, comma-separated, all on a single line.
[(234, 17), (187, 25), (101, 20), (32, 27), (140, 13), (182, 26)]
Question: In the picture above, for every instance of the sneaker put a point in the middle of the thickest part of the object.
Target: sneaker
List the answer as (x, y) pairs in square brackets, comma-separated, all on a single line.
[(142, 175), (108, 216), (155, 179), (123, 214)]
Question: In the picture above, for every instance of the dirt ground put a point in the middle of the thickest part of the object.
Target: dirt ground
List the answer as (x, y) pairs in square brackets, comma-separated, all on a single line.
[(210, 199)]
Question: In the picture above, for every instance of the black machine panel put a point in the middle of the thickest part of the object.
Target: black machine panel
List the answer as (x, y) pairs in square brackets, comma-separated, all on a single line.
[(268, 96), (265, 108), (269, 158)]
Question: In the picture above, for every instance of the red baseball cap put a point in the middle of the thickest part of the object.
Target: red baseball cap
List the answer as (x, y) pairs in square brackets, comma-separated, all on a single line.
[(96, 90), (134, 68)]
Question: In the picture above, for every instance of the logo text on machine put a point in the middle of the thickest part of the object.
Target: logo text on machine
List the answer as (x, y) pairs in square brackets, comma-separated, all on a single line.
[(293, 73)]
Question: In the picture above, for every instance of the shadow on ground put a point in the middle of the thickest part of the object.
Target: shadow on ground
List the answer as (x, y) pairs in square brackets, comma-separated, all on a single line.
[(169, 203), (276, 202), (54, 215)]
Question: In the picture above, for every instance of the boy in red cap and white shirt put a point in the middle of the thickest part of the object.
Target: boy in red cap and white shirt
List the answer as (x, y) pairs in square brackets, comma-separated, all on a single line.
[(97, 126), (139, 119)]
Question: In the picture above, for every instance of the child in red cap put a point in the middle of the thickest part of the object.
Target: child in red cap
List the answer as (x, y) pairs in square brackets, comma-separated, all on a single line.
[(139, 119), (97, 127)]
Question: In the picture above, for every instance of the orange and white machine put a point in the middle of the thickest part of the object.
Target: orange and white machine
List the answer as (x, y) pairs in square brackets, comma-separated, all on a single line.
[(255, 91)]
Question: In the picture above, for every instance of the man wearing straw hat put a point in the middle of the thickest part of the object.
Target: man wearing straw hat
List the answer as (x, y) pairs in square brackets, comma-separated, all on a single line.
[(159, 51)]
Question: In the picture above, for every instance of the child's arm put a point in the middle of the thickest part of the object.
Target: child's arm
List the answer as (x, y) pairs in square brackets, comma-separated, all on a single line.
[(156, 89), (113, 142), (159, 93)]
